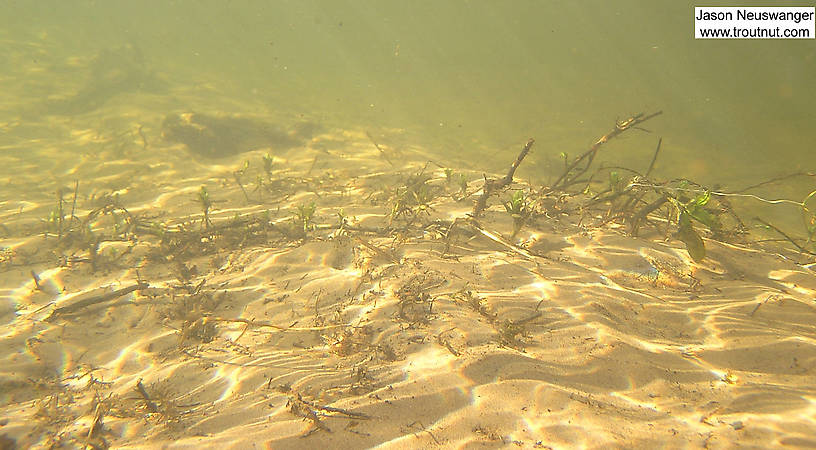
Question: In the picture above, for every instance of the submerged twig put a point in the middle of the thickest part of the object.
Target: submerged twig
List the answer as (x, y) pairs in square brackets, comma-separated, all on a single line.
[(304, 408), (37, 281), (300, 407), (775, 180), (151, 405), (654, 158), (492, 185), (73, 202), (75, 307), (382, 152), (568, 177), (241, 185), (637, 218), (501, 241), (264, 323), (144, 138), (785, 235), (96, 423)]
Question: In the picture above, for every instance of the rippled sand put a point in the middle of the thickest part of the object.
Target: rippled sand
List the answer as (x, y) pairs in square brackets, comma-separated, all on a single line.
[(565, 336)]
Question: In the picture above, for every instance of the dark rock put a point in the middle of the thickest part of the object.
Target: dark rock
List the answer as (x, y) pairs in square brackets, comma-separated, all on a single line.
[(215, 137)]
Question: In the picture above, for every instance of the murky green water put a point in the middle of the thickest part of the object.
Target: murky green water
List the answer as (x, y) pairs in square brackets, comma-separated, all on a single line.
[(467, 76)]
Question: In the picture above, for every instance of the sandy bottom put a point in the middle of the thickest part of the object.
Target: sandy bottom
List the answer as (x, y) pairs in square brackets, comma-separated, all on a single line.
[(391, 330)]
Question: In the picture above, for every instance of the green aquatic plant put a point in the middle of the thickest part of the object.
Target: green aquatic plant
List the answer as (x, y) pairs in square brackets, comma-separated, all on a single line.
[(121, 224), (60, 221), (413, 202), (238, 174), (519, 209), (55, 219), (206, 205), (268, 162), (616, 184), (304, 216), (156, 228), (461, 181), (260, 185), (457, 179), (564, 156), (510, 332), (412, 198), (694, 209), (343, 219), (422, 197)]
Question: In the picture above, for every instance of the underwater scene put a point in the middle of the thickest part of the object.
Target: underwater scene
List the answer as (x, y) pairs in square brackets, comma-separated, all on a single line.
[(403, 224)]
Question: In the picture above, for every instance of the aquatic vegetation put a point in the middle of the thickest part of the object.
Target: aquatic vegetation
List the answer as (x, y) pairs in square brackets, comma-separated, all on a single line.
[(456, 179), (694, 209), (448, 175), (268, 162), (415, 303), (510, 333), (493, 185), (573, 171), (206, 205), (238, 174), (342, 219), (519, 209), (636, 199), (304, 216), (463, 184), (616, 183), (422, 198), (108, 222), (55, 221), (413, 198)]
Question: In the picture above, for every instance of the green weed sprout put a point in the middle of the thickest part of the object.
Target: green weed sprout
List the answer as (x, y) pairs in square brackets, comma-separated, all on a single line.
[(268, 160), (463, 184), (519, 208), (616, 184), (694, 209), (304, 215), (343, 218), (422, 197), (206, 204), (458, 179), (157, 229), (53, 221)]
